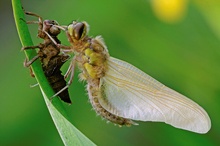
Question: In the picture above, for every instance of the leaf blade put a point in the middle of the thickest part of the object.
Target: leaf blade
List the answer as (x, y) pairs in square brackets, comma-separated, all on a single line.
[(70, 135)]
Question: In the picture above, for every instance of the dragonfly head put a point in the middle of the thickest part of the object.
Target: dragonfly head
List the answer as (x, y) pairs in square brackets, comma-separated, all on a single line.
[(49, 26), (78, 30)]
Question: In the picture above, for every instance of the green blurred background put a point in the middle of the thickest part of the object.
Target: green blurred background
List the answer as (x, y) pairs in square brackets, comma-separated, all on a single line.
[(182, 51)]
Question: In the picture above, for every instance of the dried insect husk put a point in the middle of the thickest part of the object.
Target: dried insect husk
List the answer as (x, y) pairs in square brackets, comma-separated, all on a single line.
[(55, 78), (49, 55)]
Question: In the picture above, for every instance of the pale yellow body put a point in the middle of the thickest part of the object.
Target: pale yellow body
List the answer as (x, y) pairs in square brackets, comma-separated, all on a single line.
[(120, 92), (92, 61)]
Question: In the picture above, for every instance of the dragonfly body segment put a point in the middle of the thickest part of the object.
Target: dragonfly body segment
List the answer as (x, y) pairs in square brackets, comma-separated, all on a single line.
[(91, 56)]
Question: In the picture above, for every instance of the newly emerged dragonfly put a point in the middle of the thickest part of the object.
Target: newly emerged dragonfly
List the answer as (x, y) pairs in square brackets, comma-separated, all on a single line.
[(49, 55), (120, 92)]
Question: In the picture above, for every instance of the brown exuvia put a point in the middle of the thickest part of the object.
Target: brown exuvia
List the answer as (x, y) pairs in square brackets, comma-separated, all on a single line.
[(49, 55)]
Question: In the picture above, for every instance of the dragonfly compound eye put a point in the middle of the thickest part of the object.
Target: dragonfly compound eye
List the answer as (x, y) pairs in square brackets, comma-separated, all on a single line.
[(77, 30)]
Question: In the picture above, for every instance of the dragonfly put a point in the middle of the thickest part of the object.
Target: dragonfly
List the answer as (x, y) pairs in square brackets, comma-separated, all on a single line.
[(120, 92), (49, 55)]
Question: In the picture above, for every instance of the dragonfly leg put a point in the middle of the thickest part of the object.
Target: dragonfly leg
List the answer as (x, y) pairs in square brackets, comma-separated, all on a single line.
[(31, 47), (28, 63), (35, 15), (71, 72)]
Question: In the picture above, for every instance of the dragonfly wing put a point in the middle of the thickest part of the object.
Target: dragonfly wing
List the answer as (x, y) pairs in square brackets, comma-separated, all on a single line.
[(130, 93)]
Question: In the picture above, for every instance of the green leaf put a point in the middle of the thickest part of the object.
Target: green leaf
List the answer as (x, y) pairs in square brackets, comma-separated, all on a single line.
[(68, 133)]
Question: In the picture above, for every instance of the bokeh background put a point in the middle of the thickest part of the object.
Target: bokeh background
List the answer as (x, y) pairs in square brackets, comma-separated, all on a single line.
[(175, 41)]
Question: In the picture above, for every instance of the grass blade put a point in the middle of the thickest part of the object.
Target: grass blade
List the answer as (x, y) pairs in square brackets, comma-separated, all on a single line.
[(69, 134)]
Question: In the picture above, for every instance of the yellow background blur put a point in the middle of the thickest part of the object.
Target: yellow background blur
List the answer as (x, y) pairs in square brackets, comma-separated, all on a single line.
[(183, 53)]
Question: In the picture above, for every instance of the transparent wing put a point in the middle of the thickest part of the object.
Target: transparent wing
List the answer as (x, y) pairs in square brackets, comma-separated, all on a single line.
[(130, 93)]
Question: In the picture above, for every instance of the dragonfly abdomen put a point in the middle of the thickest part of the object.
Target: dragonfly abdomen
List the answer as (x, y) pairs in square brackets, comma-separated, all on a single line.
[(94, 95)]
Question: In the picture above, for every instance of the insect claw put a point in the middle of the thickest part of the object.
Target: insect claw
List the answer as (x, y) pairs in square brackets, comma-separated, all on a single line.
[(23, 48), (23, 20), (51, 100), (34, 85), (66, 87), (26, 63)]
